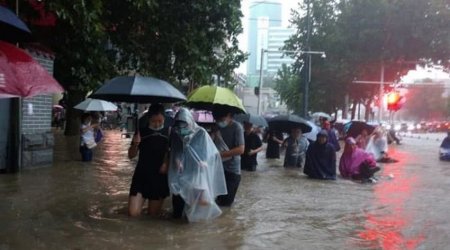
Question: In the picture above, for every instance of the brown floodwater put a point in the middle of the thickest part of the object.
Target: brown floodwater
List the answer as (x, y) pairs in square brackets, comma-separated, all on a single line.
[(76, 205)]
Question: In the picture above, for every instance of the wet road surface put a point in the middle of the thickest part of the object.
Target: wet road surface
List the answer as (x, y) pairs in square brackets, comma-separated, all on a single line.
[(76, 205)]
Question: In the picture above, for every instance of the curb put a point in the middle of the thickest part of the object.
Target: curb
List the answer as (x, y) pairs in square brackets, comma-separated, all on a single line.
[(424, 137)]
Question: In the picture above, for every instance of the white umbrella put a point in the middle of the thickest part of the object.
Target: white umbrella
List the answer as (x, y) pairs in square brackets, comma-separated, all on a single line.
[(95, 105), (321, 114), (314, 131)]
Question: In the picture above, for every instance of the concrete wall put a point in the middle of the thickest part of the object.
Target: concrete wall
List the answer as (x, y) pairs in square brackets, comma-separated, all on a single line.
[(269, 102), (37, 138)]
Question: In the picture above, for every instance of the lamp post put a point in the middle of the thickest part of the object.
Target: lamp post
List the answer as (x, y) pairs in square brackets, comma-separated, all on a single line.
[(307, 63), (258, 110), (300, 52)]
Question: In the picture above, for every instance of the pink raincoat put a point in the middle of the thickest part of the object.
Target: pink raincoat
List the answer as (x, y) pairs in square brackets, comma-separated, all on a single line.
[(352, 159)]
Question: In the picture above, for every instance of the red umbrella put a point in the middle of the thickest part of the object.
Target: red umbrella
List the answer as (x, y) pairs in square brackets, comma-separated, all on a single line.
[(22, 76)]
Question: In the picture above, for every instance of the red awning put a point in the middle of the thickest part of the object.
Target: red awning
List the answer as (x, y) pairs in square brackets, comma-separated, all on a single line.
[(22, 76)]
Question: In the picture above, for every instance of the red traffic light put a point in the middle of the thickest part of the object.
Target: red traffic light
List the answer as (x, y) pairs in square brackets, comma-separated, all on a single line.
[(393, 97), (394, 101)]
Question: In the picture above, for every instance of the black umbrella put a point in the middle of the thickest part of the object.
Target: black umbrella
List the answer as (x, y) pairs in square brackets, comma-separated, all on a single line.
[(12, 29), (253, 119), (354, 128), (138, 89), (286, 123)]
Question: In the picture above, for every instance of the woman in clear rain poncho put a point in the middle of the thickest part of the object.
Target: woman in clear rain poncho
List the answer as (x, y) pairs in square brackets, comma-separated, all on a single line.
[(378, 146), (196, 174)]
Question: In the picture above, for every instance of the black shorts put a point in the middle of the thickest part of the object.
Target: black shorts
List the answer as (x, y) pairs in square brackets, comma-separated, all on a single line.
[(155, 187)]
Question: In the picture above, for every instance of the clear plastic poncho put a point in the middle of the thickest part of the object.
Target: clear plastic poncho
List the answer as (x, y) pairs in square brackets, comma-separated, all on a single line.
[(195, 171), (377, 144)]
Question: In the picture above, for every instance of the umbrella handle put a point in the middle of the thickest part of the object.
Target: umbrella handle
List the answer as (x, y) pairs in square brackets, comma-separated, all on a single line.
[(136, 124), (136, 115)]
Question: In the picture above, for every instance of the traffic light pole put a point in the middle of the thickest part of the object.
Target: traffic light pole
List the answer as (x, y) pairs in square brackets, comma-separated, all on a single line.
[(380, 94), (381, 83)]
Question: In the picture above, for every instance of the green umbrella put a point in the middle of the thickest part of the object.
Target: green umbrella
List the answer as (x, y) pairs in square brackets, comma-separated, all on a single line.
[(213, 97)]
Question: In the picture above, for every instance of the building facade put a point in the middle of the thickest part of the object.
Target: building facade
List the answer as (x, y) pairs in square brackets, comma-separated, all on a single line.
[(266, 33), (262, 15), (274, 58), (27, 138)]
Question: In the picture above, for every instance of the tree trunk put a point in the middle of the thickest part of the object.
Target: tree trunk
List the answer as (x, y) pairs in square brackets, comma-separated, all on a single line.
[(355, 103), (72, 115), (345, 107), (367, 112), (368, 109)]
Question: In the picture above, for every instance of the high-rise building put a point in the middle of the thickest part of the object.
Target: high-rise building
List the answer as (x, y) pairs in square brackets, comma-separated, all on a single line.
[(262, 15), (266, 32), (274, 58)]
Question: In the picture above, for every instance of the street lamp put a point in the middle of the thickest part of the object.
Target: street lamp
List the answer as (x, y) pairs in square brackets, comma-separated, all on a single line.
[(300, 52)]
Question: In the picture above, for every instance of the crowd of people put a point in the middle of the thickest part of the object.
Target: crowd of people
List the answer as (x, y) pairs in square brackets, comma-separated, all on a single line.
[(201, 168)]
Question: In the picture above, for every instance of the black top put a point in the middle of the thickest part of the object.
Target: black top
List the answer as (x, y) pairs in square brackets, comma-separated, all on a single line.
[(320, 161), (146, 179), (252, 141), (273, 147), (154, 145)]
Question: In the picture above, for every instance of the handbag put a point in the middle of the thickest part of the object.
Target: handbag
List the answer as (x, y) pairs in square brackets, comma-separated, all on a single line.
[(90, 144), (98, 136)]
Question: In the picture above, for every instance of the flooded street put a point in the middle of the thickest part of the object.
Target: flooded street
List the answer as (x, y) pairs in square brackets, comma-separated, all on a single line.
[(76, 205)]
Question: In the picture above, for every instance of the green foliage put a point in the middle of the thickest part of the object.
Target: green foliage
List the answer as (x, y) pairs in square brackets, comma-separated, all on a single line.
[(287, 86), (176, 39), (171, 39), (360, 36), (78, 41)]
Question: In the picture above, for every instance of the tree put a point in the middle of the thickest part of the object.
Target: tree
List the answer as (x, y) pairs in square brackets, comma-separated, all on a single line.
[(177, 40), (78, 40), (360, 36), (174, 40), (287, 86), (328, 77)]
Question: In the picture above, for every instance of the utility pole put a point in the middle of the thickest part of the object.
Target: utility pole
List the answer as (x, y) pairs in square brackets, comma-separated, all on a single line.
[(307, 62), (380, 94)]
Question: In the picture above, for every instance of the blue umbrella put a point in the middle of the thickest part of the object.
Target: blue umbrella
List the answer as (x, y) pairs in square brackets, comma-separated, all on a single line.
[(12, 29)]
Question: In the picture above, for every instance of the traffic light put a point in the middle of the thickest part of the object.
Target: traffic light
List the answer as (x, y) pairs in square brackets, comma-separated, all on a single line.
[(257, 91), (394, 101)]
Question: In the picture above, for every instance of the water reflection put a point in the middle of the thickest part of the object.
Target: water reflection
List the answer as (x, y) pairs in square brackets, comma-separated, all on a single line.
[(78, 205), (387, 226)]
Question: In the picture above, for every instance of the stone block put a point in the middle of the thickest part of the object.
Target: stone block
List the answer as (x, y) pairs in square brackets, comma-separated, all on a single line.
[(49, 140), (37, 158), (27, 158), (32, 141), (42, 157)]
